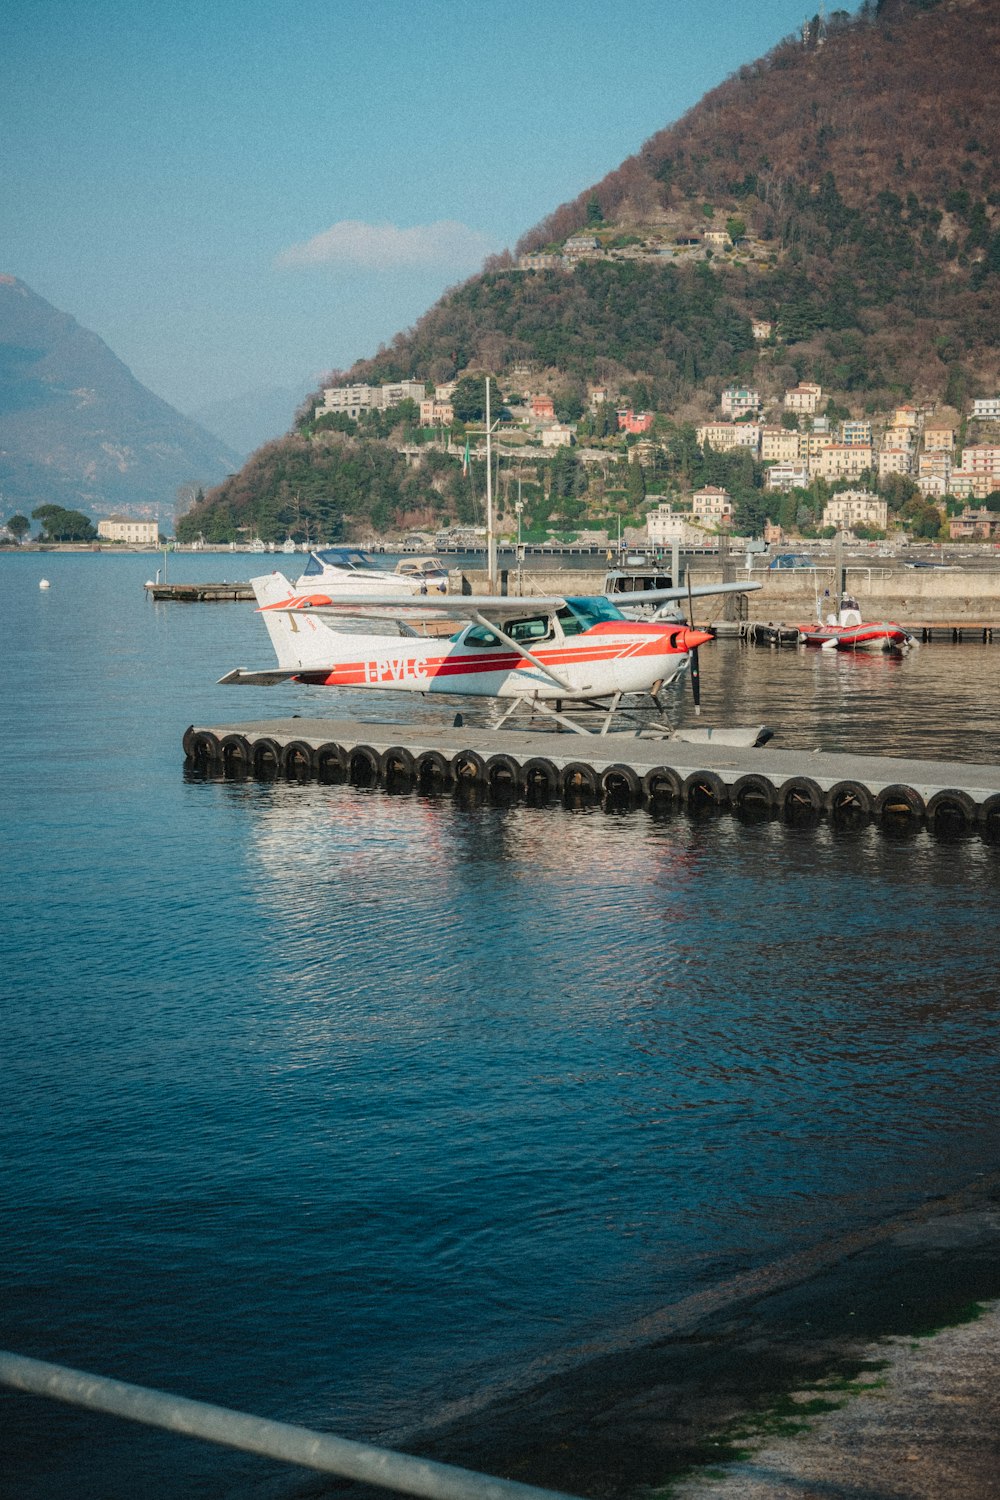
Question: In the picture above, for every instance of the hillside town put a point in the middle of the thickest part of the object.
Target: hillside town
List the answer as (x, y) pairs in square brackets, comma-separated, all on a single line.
[(949, 459)]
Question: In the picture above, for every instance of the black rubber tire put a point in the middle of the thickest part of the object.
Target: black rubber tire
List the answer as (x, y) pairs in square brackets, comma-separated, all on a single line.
[(202, 747), (951, 812), (433, 771), (580, 781), (753, 793), (362, 766), (468, 767), (800, 800), (234, 754), (899, 803), (662, 788), (849, 803), (397, 766), (297, 759), (621, 786), (328, 762), (265, 757), (541, 779), (705, 791), (988, 818), (188, 741), (504, 775)]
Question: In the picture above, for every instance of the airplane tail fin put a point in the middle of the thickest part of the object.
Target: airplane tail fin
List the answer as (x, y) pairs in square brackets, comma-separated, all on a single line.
[(300, 640)]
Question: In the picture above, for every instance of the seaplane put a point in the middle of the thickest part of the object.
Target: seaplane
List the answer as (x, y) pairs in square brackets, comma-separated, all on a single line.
[(543, 653)]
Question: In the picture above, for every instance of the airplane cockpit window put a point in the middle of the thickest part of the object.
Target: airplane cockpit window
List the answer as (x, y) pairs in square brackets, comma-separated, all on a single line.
[(581, 613), (477, 635), (529, 632)]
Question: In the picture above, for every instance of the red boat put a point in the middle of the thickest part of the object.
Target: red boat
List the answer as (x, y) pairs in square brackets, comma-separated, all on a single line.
[(846, 631)]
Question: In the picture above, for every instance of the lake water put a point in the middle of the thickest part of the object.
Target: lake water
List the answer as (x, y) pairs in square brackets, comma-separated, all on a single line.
[(352, 1109)]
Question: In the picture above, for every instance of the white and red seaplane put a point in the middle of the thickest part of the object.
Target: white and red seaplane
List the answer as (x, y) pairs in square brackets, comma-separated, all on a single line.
[(544, 654)]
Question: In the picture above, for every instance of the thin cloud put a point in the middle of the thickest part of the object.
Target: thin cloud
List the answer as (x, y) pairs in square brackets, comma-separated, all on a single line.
[(385, 247)]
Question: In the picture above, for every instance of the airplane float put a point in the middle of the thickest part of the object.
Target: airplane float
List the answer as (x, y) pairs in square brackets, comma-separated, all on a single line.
[(541, 652)]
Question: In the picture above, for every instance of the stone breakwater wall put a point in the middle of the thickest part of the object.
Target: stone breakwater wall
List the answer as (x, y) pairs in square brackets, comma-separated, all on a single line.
[(908, 595)]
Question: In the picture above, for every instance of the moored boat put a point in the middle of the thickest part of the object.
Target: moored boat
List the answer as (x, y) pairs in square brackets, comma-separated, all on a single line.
[(846, 631), (348, 570)]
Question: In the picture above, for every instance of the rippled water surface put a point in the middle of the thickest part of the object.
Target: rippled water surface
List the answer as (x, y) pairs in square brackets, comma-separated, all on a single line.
[(350, 1108)]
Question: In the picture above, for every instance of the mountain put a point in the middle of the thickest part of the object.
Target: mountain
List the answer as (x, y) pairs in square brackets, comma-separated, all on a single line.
[(246, 422), (842, 190), (856, 164), (77, 429)]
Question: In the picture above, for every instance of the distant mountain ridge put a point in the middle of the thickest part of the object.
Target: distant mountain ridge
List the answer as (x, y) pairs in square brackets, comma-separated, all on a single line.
[(247, 421), (77, 429)]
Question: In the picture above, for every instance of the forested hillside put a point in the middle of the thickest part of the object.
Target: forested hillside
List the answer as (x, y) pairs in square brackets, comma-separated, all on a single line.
[(842, 190)]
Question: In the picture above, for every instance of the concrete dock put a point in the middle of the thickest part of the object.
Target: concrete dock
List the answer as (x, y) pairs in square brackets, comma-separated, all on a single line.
[(626, 770), (200, 593)]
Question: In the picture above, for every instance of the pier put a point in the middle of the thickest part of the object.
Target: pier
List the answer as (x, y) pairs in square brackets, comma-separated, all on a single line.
[(621, 770), (200, 593)]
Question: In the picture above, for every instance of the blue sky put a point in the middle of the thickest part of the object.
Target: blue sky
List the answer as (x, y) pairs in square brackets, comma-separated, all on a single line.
[(243, 193)]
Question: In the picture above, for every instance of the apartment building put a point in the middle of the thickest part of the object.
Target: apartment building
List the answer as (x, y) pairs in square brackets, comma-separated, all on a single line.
[(712, 504), (726, 435), (804, 397), (856, 508), (739, 401), (778, 445), (352, 400), (788, 476), (839, 461)]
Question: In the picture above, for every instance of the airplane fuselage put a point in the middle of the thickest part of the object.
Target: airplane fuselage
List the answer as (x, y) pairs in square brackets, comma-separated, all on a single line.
[(610, 657)]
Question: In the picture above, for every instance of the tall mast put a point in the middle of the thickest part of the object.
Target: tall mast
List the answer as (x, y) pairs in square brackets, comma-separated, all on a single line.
[(491, 541)]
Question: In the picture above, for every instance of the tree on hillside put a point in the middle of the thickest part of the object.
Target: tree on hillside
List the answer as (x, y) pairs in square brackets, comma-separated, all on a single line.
[(469, 400), (635, 485)]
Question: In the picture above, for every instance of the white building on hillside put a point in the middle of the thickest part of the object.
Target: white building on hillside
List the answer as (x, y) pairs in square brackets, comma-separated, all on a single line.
[(723, 436), (712, 505), (352, 400), (788, 476), (135, 533), (856, 508), (738, 401), (664, 526), (894, 461), (804, 397)]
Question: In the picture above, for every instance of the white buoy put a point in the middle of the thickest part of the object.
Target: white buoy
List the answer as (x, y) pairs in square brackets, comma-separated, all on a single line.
[(43, 583)]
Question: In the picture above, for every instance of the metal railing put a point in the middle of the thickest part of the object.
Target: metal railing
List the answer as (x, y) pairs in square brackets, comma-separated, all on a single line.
[(278, 1440)]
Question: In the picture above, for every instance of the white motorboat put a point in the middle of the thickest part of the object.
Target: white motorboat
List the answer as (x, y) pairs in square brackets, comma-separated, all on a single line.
[(347, 570)]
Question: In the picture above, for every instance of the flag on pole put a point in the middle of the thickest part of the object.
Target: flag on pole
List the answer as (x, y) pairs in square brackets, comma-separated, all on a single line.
[(465, 458)]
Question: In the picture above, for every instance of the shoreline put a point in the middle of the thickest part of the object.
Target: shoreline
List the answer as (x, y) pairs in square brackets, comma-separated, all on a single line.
[(650, 1416)]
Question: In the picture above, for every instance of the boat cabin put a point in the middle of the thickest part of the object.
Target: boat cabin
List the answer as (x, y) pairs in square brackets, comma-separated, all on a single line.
[(349, 559)]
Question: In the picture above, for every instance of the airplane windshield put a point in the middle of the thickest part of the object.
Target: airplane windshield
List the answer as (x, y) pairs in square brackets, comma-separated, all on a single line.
[(340, 557), (581, 613)]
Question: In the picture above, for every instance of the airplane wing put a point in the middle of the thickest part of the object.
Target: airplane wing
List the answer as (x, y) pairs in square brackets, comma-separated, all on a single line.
[(417, 606), (275, 593), (681, 594)]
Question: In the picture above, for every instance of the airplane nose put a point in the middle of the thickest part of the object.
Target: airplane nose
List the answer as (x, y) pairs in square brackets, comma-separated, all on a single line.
[(690, 639)]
